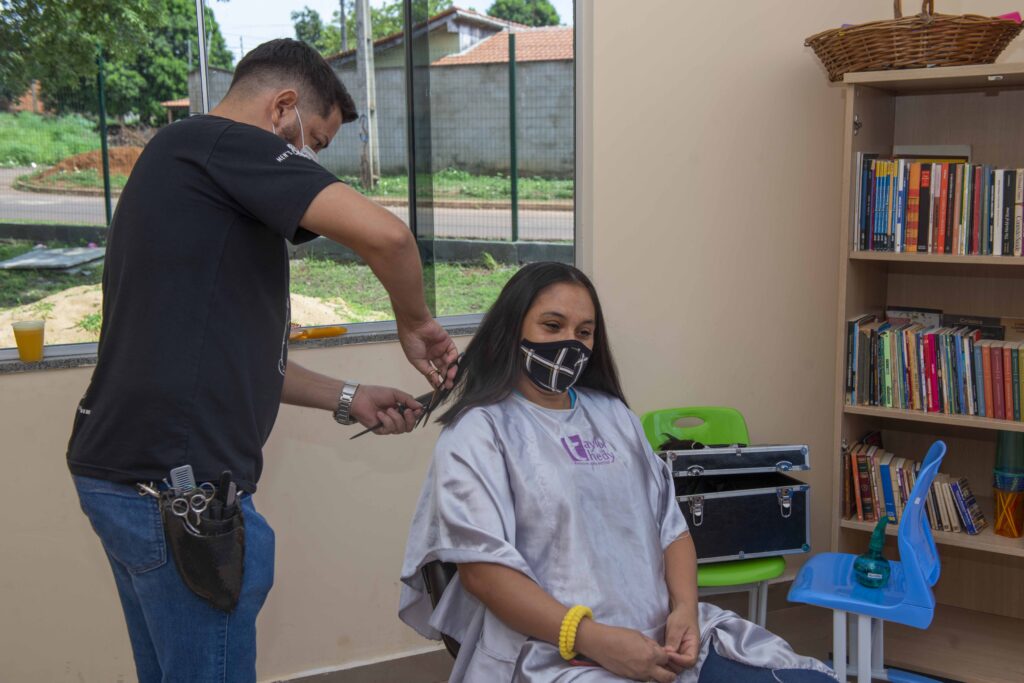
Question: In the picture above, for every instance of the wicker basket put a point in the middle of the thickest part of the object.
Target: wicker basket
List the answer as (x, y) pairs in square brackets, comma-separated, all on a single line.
[(923, 40)]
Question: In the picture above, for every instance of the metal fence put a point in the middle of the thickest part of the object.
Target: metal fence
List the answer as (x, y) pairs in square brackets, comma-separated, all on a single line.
[(496, 167)]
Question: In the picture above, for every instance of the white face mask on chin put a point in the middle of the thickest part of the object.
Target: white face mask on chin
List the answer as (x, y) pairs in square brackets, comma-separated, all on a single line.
[(306, 150)]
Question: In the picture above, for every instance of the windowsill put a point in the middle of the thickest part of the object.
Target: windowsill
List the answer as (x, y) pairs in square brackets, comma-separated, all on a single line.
[(65, 356)]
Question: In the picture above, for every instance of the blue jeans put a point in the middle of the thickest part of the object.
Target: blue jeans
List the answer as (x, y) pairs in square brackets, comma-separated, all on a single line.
[(176, 635), (718, 669)]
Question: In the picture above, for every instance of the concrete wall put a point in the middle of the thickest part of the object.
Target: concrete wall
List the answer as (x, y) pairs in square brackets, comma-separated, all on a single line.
[(470, 117), (732, 304), (470, 120), (217, 83)]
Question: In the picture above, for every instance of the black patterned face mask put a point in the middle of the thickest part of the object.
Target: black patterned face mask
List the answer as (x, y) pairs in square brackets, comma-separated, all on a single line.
[(555, 366)]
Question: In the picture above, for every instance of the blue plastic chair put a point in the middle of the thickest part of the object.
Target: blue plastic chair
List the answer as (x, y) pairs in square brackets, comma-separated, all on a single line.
[(827, 581)]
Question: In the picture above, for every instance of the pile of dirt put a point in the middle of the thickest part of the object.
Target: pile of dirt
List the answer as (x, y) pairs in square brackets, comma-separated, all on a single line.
[(65, 312), (122, 161)]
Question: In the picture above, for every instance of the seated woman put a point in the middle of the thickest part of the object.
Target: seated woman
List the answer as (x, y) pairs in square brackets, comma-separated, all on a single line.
[(574, 561)]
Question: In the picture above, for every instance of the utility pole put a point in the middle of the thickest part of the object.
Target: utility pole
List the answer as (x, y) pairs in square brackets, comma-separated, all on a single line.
[(344, 28), (365, 77), (204, 88)]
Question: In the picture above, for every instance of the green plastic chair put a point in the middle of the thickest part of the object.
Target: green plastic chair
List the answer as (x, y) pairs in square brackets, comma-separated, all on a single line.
[(719, 425)]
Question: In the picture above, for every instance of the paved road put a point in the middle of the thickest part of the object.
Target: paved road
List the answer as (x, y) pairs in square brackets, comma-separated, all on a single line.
[(492, 224)]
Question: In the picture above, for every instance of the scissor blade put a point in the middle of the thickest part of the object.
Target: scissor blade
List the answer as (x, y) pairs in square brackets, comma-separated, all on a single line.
[(401, 409)]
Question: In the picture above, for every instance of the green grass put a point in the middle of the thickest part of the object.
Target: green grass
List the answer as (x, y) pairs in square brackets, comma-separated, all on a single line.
[(458, 288), (91, 323), (461, 289), (455, 184), (86, 178), (27, 138), (20, 287)]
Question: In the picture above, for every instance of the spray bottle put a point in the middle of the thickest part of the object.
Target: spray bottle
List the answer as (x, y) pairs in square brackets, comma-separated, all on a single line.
[(871, 569)]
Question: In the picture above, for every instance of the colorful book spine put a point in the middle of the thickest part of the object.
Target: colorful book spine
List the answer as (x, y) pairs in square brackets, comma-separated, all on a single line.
[(1018, 215), (971, 503), (997, 213), (922, 374), (986, 212), (956, 221), (932, 371), (924, 208), (976, 202), (979, 377), (1020, 373), (1009, 192), (899, 216), (869, 209), (986, 368), (1015, 380), (913, 205), (887, 492), (864, 482), (1007, 382), (940, 238), (886, 370), (961, 508), (998, 392)]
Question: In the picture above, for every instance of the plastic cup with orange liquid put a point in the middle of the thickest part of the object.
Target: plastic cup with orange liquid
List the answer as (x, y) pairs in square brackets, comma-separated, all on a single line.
[(29, 336)]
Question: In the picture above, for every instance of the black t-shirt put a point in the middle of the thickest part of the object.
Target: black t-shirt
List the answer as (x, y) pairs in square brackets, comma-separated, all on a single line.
[(194, 341)]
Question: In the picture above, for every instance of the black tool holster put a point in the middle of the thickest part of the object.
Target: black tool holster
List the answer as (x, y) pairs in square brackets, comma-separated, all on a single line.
[(211, 561)]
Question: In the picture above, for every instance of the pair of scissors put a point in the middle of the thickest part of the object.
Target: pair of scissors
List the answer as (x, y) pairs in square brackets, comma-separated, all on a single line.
[(191, 504), (430, 401)]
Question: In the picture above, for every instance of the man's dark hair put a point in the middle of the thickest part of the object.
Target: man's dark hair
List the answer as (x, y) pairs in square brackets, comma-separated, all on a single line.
[(493, 363), (293, 62)]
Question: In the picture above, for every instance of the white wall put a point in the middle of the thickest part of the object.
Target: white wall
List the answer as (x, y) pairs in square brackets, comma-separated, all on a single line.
[(710, 197)]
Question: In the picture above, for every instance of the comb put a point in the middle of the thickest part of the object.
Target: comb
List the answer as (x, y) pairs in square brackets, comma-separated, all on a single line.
[(182, 478)]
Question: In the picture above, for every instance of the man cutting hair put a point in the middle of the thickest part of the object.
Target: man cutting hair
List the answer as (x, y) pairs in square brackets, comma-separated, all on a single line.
[(193, 353)]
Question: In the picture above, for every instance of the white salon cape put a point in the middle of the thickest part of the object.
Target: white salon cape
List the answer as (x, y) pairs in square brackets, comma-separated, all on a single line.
[(577, 501)]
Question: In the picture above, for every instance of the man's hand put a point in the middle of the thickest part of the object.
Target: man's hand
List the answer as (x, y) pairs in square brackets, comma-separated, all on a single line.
[(624, 652), (682, 638), (430, 350), (379, 405)]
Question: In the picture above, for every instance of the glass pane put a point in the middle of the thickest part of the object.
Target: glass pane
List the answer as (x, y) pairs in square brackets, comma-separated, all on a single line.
[(486, 201), (329, 283), (496, 200), (77, 106)]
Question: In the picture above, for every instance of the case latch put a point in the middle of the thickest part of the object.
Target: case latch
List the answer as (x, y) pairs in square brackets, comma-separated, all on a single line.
[(785, 496), (694, 470), (783, 466), (697, 510)]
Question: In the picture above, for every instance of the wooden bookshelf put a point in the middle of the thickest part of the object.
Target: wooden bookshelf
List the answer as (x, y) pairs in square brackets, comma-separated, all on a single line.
[(978, 77), (982, 578), (986, 541), (967, 421), (938, 259)]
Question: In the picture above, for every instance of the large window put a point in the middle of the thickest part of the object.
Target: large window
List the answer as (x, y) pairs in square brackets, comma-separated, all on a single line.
[(466, 134)]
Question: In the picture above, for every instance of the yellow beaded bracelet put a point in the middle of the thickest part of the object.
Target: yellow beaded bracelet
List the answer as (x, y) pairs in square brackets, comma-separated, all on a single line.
[(567, 634)]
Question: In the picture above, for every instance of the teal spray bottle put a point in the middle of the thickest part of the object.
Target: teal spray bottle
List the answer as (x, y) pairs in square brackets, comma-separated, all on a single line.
[(871, 569)]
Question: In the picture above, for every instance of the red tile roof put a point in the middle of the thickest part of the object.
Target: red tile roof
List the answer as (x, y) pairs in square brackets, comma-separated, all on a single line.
[(548, 44), (451, 11)]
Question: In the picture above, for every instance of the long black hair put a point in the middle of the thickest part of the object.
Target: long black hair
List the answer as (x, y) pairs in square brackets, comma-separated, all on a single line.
[(492, 363)]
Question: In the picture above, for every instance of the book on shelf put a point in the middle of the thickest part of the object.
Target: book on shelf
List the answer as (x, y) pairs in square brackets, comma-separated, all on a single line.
[(878, 483), (925, 360), (937, 205)]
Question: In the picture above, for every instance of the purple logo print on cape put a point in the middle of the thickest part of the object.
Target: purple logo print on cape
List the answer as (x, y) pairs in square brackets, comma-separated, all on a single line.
[(581, 452)]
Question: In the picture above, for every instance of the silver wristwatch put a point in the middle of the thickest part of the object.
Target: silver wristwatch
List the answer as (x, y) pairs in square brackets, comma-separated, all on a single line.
[(343, 413)]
